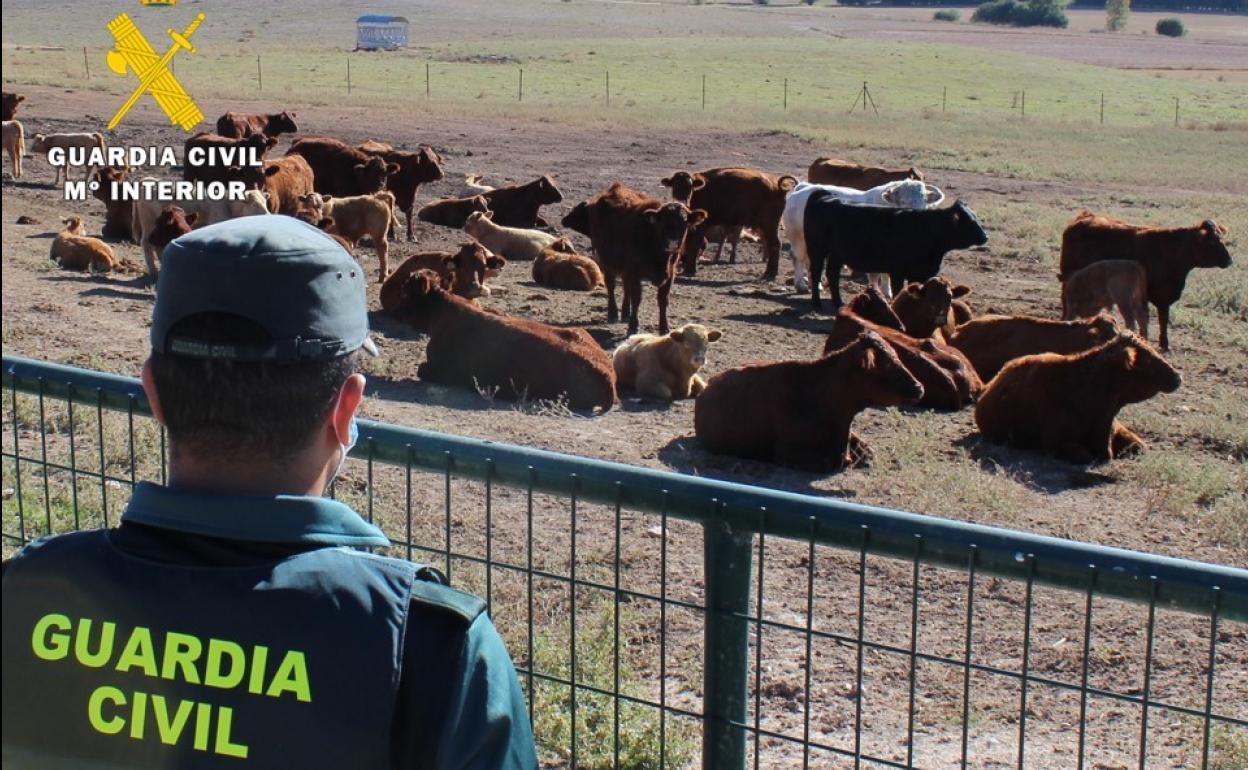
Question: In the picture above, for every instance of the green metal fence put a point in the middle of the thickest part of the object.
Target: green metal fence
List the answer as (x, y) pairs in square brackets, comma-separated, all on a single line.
[(662, 620)]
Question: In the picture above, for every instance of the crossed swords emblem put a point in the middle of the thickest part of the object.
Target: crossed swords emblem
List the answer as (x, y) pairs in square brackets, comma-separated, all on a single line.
[(134, 53)]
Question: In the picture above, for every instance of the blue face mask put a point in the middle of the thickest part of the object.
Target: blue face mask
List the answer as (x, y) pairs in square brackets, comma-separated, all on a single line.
[(352, 437)]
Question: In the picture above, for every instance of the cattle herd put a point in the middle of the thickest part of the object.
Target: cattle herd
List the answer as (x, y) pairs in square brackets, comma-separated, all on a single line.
[(909, 340)]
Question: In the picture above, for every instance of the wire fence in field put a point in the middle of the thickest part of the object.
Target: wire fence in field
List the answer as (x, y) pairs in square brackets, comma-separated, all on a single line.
[(660, 620)]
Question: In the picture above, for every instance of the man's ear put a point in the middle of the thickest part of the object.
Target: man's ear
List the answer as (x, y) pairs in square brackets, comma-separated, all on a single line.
[(349, 398), (149, 387)]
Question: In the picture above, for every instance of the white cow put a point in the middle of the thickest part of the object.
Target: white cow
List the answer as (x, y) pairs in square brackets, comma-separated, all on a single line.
[(905, 194)]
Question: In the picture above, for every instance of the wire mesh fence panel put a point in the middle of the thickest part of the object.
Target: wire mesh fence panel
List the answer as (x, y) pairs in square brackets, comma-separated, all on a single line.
[(666, 621)]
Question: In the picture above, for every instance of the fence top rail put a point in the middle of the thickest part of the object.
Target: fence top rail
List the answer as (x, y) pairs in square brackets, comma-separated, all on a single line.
[(742, 509)]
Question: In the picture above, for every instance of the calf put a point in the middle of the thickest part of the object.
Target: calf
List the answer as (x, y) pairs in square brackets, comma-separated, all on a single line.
[(664, 367), (511, 242), (172, 223), (906, 194), (1103, 285), (451, 212), (239, 125), (846, 174), (949, 381), (45, 143), (9, 103), (992, 341), (1067, 404), (15, 145), (340, 170), (473, 186), (732, 198), (325, 224), (358, 216), (636, 238), (517, 205), (287, 180), (558, 266), (75, 250), (144, 214), (925, 308), (118, 212), (414, 169), (514, 357), (799, 413), (231, 159), (462, 273), (907, 244), (1167, 255)]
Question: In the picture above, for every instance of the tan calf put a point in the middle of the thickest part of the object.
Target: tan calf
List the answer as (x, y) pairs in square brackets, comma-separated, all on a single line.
[(77, 251), (510, 242), (558, 266), (1101, 285), (15, 145), (356, 217), (664, 367), (45, 143)]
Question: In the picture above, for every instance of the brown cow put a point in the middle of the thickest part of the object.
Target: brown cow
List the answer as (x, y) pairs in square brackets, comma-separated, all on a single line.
[(1167, 255), (238, 166), (1102, 285), (1067, 404), (324, 224), (287, 180), (842, 173), (172, 223), (637, 238), (8, 107), (462, 273), (415, 168), (992, 341), (451, 212), (513, 358), (118, 212), (869, 304), (238, 125), (516, 205), (733, 198), (340, 170), (558, 266), (949, 381), (799, 413), (927, 307)]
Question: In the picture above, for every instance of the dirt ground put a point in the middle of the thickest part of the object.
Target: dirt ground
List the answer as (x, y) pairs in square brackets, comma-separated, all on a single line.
[(101, 322)]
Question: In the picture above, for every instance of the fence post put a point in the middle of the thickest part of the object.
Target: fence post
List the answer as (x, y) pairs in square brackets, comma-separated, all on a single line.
[(728, 562), (1023, 106), (786, 94), (607, 88), (426, 80), (944, 97), (1176, 112), (259, 75), (348, 74), (520, 90), (1102, 108), (86, 64), (704, 91)]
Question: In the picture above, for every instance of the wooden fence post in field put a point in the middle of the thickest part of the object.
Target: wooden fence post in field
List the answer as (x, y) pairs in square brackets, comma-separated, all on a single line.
[(1102, 108), (426, 80), (86, 65), (520, 88), (786, 94), (259, 75), (1023, 106), (348, 74), (607, 88), (944, 97), (704, 92), (1176, 112)]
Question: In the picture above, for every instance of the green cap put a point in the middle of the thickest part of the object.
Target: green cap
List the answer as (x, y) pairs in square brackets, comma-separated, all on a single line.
[(283, 274)]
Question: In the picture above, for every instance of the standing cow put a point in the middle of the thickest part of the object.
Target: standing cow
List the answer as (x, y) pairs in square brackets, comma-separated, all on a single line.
[(240, 125)]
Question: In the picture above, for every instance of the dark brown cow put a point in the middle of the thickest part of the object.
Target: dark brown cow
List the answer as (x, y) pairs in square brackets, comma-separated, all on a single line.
[(558, 266), (513, 358), (286, 180), (341, 170), (577, 219), (992, 341), (118, 212), (927, 307), (799, 413), (733, 198), (870, 304), (949, 381), (1168, 255), (517, 205), (415, 168), (451, 212), (461, 273), (238, 125), (172, 223), (236, 168), (1067, 404), (10, 103), (637, 238), (842, 173)]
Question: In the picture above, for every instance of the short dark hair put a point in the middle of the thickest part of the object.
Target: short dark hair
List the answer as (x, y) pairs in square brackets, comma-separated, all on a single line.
[(262, 409)]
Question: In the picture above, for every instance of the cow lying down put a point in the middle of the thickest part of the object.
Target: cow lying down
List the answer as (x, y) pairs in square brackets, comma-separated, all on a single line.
[(514, 357)]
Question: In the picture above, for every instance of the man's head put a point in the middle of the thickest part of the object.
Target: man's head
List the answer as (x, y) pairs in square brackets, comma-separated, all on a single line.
[(256, 336)]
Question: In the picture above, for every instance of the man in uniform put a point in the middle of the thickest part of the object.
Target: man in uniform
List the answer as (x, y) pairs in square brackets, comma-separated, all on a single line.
[(229, 620)]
